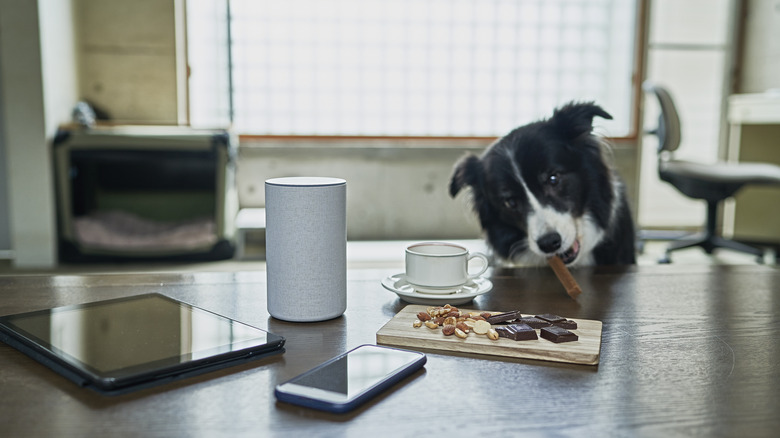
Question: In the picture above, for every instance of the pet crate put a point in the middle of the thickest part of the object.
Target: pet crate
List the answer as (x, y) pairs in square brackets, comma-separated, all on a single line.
[(145, 193)]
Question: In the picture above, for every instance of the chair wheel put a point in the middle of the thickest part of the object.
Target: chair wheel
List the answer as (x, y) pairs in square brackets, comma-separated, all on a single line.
[(665, 260)]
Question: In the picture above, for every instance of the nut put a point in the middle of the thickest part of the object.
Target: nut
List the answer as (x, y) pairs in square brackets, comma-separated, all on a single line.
[(439, 320), (481, 327), (417, 323), (492, 334), (460, 333), (486, 315), (423, 316), (448, 329), (450, 320), (462, 326), (431, 324)]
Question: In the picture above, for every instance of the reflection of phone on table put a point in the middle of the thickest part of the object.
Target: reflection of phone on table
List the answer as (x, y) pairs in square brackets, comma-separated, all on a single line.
[(350, 379)]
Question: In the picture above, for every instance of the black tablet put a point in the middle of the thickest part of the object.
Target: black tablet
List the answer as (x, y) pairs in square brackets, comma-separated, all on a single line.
[(124, 344)]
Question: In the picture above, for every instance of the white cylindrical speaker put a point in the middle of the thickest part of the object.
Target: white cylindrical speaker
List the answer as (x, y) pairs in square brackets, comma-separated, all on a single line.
[(306, 248)]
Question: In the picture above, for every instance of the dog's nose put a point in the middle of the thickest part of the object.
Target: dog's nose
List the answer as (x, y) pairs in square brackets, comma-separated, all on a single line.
[(550, 242)]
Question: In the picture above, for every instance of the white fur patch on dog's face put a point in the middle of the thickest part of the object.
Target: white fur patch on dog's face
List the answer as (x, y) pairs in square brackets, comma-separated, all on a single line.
[(544, 219)]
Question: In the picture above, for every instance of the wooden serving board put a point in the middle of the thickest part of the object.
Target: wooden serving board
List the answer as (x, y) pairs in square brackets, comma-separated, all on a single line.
[(399, 332)]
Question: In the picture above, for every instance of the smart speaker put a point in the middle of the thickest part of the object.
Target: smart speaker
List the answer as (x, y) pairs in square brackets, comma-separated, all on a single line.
[(306, 248)]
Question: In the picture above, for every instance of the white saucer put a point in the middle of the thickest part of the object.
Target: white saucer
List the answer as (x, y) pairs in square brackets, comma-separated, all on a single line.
[(397, 283)]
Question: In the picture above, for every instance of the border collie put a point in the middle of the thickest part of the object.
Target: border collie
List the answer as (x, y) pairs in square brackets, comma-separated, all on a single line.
[(547, 189)]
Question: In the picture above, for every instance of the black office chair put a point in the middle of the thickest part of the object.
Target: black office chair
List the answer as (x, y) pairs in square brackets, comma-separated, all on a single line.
[(710, 182)]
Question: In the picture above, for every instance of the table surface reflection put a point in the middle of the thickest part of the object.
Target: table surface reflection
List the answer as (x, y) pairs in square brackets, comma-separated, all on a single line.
[(686, 350)]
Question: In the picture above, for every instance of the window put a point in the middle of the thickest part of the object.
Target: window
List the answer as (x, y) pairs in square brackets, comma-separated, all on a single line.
[(407, 67)]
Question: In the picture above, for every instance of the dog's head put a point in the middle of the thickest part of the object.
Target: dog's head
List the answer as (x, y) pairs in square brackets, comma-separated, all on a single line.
[(543, 189)]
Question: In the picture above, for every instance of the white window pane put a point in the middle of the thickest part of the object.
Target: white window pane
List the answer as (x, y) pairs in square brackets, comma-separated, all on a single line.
[(689, 21), (406, 67)]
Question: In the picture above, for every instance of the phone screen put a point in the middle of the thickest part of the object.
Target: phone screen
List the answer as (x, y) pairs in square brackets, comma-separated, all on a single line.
[(346, 377)]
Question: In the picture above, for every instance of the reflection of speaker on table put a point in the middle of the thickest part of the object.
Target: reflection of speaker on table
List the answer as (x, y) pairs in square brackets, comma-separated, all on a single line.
[(145, 193)]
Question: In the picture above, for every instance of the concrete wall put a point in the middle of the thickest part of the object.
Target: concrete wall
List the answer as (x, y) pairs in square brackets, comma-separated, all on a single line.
[(5, 225), (760, 67), (39, 89), (127, 58), (395, 190)]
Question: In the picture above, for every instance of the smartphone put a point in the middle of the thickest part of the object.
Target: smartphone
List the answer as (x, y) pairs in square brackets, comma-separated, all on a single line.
[(350, 379)]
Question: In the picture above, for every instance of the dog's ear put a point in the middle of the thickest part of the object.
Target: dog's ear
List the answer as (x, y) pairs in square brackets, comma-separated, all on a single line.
[(467, 172), (575, 119)]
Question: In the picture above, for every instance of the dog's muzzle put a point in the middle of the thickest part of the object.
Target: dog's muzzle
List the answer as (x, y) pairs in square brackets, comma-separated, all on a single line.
[(550, 244)]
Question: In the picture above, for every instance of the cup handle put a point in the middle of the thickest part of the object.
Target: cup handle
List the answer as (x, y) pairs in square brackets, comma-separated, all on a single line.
[(478, 255)]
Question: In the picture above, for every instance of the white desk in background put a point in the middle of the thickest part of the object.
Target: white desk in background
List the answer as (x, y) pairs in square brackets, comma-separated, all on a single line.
[(754, 135)]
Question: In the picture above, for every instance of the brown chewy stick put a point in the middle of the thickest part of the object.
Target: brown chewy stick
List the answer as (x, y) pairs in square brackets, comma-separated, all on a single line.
[(563, 274)]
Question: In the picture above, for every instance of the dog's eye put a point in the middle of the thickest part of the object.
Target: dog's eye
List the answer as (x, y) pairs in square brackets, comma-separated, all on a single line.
[(510, 203), (553, 179)]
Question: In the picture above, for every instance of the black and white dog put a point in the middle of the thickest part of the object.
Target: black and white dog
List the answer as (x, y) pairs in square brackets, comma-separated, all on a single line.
[(548, 189)]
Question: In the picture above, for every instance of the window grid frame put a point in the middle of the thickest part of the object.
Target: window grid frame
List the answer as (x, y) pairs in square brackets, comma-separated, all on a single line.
[(633, 104)]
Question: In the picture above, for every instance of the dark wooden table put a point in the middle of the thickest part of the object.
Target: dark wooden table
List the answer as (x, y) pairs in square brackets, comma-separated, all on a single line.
[(686, 350)]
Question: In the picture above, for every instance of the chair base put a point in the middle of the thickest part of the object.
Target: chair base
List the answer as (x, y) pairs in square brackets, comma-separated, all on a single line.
[(710, 243)]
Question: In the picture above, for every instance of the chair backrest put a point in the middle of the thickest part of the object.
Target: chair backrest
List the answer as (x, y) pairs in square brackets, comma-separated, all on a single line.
[(668, 130)]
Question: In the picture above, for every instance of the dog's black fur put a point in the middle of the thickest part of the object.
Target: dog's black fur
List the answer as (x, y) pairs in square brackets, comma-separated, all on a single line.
[(547, 188)]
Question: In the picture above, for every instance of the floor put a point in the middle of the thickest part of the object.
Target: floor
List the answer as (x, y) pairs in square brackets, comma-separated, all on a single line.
[(371, 255)]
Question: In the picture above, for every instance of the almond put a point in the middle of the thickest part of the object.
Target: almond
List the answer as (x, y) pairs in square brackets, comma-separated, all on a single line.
[(423, 316)]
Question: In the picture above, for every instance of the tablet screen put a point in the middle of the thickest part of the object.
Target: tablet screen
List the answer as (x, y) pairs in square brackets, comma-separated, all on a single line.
[(129, 336)]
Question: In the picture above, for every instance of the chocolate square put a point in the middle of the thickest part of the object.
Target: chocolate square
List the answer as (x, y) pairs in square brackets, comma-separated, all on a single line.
[(503, 317), (517, 332), (532, 321), (549, 317), (557, 334), (567, 324)]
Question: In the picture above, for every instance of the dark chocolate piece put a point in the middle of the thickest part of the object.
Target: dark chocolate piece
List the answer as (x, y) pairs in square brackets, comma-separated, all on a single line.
[(517, 332), (567, 324), (532, 321), (557, 334), (503, 331), (549, 317), (503, 317)]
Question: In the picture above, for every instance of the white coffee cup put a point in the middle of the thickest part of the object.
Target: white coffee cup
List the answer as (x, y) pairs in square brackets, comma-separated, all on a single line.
[(440, 267)]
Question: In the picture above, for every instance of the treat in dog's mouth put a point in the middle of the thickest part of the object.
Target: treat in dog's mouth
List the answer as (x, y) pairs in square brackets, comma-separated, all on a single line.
[(570, 254)]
